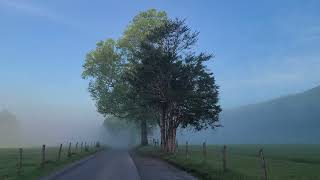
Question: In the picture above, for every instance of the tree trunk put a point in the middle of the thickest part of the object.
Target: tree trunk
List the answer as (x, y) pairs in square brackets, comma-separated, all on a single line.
[(171, 140), (174, 139), (144, 133), (168, 141), (163, 129)]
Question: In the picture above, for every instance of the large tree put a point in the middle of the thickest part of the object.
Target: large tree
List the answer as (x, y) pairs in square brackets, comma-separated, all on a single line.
[(152, 72), (172, 79), (106, 65)]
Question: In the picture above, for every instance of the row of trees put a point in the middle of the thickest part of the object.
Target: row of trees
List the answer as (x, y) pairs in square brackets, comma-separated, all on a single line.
[(152, 76)]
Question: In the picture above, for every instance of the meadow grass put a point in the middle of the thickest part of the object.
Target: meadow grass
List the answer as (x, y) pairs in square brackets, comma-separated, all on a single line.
[(284, 162), (31, 161)]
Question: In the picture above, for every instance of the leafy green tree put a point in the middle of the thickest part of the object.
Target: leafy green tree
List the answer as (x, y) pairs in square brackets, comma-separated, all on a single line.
[(138, 29), (152, 74), (106, 65), (174, 81)]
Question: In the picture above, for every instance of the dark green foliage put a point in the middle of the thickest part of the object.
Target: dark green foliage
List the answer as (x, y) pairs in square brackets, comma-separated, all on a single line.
[(172, 77), (152, 74)]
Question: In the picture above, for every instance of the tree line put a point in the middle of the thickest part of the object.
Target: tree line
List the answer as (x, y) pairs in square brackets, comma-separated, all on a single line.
[(153, 77)]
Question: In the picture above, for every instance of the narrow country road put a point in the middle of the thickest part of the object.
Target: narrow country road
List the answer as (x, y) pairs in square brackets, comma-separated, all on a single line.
[(118, 165)]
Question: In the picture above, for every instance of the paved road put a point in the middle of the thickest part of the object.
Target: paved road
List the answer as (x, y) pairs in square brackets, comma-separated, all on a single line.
[(105, 165), (155, 169), (118, 165)]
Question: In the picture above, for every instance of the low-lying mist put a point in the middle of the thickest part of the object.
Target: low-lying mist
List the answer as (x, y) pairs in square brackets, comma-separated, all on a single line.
[(52, 125)]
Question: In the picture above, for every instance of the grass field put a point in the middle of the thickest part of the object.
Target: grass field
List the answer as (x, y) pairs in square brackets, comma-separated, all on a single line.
[(31, 162), (284, 162)]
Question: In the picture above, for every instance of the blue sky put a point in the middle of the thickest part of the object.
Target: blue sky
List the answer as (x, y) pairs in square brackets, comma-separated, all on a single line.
[(263, 49)]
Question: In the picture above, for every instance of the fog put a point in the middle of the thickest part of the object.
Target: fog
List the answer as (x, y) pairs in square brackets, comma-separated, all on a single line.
[(291, 119), (275, 121), (25, 126)]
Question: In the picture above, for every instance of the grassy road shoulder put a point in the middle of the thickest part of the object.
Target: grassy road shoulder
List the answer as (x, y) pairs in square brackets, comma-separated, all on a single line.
[(31, 168), (197, 167), (284, 162)]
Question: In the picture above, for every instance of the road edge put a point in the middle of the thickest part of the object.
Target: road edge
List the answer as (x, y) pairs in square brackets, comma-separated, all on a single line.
[(131, 154), (68, 167)]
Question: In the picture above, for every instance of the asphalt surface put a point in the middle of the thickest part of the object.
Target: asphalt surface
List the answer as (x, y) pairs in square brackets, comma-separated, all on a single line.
[(119, 165), (155, 169), (105, 165)]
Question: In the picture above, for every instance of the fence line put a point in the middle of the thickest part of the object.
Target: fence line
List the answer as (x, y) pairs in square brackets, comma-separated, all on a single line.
[(45, 156), (224, 156)]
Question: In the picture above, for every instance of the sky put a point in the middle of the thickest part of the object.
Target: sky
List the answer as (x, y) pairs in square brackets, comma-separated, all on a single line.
[(263, 49)]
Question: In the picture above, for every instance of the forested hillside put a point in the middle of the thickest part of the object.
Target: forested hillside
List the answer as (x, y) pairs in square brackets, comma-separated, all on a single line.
[(290, 119)]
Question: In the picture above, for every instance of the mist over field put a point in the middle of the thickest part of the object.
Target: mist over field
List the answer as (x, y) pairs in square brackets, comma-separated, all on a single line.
[(37, 125), (289, 119), (127, 90), (260, 54)]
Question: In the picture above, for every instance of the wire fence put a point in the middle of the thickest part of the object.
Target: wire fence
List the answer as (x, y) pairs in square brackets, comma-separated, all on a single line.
[(219, 158), (244, 161), (19, 163)]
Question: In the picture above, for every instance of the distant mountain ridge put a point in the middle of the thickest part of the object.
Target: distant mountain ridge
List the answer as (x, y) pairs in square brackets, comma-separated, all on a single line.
[(290, 119)]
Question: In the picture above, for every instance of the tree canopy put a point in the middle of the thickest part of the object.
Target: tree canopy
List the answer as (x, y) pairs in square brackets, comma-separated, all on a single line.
[(153, 73), (172, 79), (106, 65)]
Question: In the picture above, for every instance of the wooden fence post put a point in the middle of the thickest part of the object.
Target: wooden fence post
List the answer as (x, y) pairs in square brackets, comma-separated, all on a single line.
[(76, 150), (204, 151), (81, 148), (20, 162), (263, 164), (187, 150), (87, 146), (43, 158), (59, 153), (69, 150), (224, 158)]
